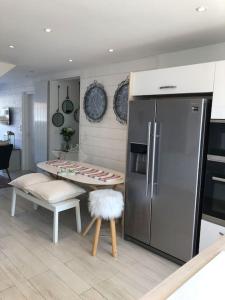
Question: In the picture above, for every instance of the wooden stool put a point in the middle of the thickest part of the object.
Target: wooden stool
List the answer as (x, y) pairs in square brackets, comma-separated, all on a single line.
[(105, 204)]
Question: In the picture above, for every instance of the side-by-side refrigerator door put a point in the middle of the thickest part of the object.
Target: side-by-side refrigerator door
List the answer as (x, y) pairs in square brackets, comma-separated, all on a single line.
[(179, 132), (138, 202)]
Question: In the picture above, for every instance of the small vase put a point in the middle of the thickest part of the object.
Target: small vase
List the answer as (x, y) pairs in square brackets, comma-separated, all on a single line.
[(67, 140), (67, 146)]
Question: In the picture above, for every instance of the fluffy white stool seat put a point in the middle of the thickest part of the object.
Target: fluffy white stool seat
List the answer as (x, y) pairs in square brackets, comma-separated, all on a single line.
[(106, 204)]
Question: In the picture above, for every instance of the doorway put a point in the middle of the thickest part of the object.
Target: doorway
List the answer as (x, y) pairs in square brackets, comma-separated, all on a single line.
[(60, 91)]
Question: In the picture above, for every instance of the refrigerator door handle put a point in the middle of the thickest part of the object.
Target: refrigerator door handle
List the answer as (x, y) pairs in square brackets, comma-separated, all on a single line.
[(148, 157), (153, 158), (220, 179)]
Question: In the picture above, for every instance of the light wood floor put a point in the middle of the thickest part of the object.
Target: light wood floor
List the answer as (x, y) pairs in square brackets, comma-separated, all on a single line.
[(32, 267)]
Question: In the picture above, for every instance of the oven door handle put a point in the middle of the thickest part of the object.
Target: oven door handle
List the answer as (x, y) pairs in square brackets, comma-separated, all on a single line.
[(220, 179)]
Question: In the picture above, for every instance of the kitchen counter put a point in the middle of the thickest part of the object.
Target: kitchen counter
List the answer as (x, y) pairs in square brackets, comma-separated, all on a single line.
[(172, 285)]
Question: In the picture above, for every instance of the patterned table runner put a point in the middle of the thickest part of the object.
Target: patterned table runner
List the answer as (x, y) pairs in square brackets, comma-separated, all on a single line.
[(78, 168)]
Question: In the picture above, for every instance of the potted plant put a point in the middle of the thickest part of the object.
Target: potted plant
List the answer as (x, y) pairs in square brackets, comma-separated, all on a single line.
[(67, 133)]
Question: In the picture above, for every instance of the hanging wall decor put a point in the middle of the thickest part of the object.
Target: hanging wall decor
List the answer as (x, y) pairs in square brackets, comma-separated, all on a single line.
[(95, 102), (120, 102), (58, 118), (67, 105)]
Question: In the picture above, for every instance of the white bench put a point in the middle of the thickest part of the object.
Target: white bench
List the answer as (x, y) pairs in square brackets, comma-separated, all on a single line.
[(55, 208)]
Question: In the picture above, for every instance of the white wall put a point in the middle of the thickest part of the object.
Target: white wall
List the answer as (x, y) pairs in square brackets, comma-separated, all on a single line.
[(55, 139)]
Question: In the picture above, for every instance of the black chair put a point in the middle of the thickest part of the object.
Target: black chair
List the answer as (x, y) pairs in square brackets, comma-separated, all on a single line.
[(5, 154)]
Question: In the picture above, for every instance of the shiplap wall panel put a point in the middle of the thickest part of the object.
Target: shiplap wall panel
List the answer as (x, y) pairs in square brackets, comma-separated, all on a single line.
[(99, 142), (103, 143)]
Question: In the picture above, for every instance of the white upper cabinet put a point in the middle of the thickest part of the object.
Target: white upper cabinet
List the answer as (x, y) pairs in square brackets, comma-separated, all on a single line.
[(197, 78), (218, 103)]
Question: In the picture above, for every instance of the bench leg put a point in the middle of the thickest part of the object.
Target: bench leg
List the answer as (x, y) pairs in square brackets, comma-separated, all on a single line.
[(13, 204), (78, 220), (55, 227)]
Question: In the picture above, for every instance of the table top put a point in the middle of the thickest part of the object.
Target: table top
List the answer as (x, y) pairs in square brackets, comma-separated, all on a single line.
[(83, 173)]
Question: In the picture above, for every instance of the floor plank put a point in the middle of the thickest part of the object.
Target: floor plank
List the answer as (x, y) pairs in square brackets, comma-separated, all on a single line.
[(11, 294), (19, 280), (92, 294), (71, 279), (115, 289), (92, 269), (21, 257), (5, 281), (51, 287)]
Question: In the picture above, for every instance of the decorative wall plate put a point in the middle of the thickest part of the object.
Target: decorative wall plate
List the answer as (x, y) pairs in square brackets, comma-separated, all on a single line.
[(77, 115), (95, 102), (120, 102), (58, 119)]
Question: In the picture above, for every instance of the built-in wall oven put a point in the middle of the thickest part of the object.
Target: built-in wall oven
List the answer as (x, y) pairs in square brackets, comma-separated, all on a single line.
[(214, 188)]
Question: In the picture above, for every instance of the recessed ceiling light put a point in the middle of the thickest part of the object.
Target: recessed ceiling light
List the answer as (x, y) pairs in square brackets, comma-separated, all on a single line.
[(111, 50), (48, 30), (70, 60), (201, 9), (11, 46)]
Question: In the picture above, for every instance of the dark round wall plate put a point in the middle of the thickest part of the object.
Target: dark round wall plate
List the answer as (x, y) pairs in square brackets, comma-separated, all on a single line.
[(95, 102), (67, 106), (120, 102), (57, 119)]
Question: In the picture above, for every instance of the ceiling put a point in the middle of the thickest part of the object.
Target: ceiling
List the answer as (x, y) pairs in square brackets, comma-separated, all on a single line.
[(84, 31)]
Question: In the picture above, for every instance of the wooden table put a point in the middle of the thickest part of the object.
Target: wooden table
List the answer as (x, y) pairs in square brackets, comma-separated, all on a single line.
[(82, 179), (73, 174)]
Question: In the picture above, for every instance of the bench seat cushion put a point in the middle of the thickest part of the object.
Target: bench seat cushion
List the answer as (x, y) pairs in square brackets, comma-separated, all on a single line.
[(55, 191), (23, 182)]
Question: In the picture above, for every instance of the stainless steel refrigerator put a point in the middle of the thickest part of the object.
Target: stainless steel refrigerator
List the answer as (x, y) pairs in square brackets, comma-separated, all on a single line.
[(166, 138)]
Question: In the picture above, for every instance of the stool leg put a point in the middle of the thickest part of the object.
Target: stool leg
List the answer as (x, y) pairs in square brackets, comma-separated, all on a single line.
[(13, 204), (78, 220), (55, 227), (96, 237), (87, 229), (113, 235)]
